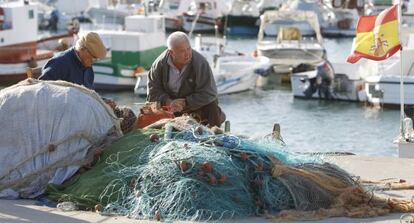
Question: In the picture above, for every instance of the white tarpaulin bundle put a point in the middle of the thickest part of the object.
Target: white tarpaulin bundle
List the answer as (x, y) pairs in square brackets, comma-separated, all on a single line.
[(48, 129)]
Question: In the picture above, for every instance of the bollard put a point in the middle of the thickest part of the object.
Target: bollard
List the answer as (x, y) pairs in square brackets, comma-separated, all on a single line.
[(168, 131), (226, 126), (276, 131)]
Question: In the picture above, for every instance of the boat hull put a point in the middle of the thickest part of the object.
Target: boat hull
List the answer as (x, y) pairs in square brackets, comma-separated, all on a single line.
[(385, 91), (203, 23), (173, 24), (340, 82), (336, 32), (242, 25), (343, 88), (238, 82), (18, 53), (108, 80), (14, 72)]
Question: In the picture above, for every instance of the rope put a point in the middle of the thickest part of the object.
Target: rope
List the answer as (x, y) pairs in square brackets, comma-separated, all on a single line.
[(51, 147)]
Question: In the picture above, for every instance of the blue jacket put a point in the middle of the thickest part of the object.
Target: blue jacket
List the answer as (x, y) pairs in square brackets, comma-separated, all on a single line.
[(67, 66)]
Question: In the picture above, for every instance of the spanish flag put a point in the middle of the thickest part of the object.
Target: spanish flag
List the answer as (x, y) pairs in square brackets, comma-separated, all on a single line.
[(376, 36)]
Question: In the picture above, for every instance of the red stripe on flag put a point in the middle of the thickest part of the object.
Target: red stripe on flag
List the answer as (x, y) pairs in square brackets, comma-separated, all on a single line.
[(356, 56), (367, 23)]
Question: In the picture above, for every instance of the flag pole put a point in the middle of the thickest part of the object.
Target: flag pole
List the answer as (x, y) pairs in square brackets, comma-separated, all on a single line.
[(402, 113)]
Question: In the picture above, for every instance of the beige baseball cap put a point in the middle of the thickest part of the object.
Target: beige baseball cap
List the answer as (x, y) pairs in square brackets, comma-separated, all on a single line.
[(94, 44)]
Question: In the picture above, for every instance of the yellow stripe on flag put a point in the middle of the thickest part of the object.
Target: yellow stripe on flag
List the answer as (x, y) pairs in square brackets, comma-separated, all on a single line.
[(363, 42)]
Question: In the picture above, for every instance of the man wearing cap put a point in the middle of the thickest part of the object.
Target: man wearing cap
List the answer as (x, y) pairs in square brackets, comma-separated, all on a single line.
[(182, 79), (75, 64)]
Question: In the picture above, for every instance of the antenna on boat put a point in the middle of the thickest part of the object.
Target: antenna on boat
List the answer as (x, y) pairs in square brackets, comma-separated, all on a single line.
[(146, 8), (402, 113), (194, 24)]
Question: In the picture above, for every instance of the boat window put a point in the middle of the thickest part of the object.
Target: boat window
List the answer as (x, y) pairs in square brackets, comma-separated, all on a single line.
[(288, 33), (173, 6), (4, 22), (31, 14), (202, 6), (382, 2)]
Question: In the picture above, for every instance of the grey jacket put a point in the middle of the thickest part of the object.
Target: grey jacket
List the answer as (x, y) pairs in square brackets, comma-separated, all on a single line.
[(197, 87)]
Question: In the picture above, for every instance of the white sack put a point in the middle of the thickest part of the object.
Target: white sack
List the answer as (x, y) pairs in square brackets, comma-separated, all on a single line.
[(34, 116)]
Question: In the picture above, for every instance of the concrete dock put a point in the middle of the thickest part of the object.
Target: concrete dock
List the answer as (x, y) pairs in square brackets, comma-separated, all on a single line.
[(368, 168)]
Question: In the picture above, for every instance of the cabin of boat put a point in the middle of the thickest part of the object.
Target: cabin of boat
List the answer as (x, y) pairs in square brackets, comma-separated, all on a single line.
[(290, 48)]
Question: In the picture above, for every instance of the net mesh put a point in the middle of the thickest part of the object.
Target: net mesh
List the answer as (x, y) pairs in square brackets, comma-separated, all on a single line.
[(193, 174), (189, 173)]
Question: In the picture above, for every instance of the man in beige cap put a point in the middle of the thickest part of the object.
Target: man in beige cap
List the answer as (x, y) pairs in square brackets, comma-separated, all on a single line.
[(75, 64)]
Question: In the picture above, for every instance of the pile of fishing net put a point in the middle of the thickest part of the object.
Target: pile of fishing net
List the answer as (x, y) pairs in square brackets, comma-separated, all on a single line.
[(187, 172)]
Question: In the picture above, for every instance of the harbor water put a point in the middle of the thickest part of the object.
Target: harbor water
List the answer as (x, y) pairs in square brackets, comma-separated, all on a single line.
[(306, 125)]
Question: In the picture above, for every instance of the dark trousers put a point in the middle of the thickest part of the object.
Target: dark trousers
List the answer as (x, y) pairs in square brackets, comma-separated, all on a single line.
[(209, 115)]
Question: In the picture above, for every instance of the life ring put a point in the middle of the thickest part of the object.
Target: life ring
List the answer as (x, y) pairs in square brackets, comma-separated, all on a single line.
[(1, 18)]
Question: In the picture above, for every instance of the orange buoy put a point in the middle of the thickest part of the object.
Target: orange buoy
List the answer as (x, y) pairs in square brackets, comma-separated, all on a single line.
[(244, 156), (184, 166), (212, 179), (154, 137), (207, 167), (222, 179)]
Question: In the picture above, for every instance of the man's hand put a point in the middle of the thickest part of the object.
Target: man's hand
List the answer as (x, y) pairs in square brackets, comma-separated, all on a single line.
[(178, 105)]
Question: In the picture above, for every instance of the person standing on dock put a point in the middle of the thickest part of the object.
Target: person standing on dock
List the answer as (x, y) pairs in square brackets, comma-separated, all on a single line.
[(75, 64), (181, 79)]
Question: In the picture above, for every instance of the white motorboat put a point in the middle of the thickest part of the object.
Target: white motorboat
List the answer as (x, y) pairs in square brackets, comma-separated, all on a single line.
[(203, 15), (106, 11), (289, 49), (339, 81), (382, 86), (172, 11), (336, 18), (235, 74)]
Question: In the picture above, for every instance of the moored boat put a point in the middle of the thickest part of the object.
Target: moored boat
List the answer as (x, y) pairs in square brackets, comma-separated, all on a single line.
[(20, 45), (132, 51)]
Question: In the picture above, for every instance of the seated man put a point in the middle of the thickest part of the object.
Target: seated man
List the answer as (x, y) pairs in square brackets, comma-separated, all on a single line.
[(75, 64), (182, 79)]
